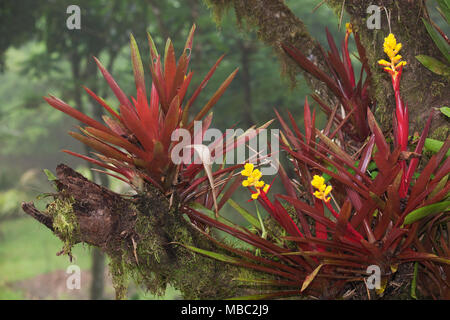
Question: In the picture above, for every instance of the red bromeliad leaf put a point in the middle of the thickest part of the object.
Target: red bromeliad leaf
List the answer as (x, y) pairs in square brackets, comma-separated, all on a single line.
[(158, 81), (170, 69), (189, 43), (308, 122), (294, 273), (214, 98), (123, 99), (200, 88), (101, 147), (103, 103), (380, 141), (311, 68), (64, 107), (118, 141), (332, 43), (171, 122), (133, 123), (251, 239), (99, 163), (138, 68)]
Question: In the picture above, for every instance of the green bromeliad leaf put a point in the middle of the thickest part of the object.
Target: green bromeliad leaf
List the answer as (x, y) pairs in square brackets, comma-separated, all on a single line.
[(434, 146), (445, 110), (442, 45), (427, 211), (214, 255), (50, 175), (444, 9), (245, 214), (434, 65)]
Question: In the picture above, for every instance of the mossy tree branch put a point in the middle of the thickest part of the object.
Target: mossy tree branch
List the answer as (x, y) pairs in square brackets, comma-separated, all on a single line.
[(138, 234)]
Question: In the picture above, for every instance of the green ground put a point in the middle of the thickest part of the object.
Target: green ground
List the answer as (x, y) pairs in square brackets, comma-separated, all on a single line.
[(28, 253)]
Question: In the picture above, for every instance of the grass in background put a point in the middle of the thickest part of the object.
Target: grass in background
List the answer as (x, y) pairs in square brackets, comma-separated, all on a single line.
[(28, 249)]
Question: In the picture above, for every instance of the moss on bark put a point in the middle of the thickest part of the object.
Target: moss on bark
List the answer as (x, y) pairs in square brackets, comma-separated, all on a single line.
[(140, 236)]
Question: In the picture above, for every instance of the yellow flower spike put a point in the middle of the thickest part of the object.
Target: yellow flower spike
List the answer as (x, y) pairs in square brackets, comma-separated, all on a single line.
[(397, 58), (392, 48), (317, 181), (349, 27), (248, 169), (323, 190), (253, 180), (402, 63), (255, 195), (259, 184), (384, 63), (256, 174)]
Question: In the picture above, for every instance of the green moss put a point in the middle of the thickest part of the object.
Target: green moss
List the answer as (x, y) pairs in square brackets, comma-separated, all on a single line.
[(218, 8), (438, 88), (440, 133), (65, 222), (120, 275)]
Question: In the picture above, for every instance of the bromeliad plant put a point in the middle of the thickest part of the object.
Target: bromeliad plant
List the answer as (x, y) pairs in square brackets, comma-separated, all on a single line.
[(401, 120), (135, 143), (327, 235), (340, 80)]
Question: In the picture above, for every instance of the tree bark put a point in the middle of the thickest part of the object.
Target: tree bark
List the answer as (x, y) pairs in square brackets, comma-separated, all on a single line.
[(141, 235)]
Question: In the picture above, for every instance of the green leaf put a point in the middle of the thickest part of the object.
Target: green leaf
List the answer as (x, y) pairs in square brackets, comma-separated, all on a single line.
[(426, 211), (445, 110), (444, 9), (214, 255), (50, 175), (434, 65), (441, 184), (245, 214), (434, 146), (442, 45), (200, 208)]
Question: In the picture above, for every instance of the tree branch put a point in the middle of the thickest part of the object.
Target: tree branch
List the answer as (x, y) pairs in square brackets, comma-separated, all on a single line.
[(138, 234)]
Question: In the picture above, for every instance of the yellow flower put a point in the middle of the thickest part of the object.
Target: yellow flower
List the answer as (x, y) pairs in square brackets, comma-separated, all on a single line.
[(392, 48), (248, 169), (349, 27), (253, 180), (323, 190), (318, 182)]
